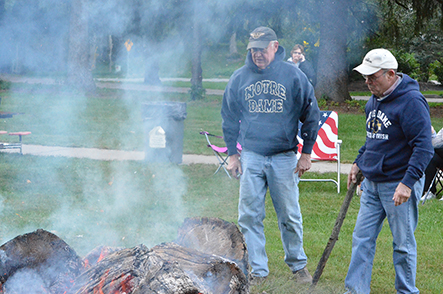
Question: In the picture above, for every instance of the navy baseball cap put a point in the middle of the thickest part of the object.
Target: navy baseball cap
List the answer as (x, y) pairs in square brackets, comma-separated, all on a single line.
[(260, 38)]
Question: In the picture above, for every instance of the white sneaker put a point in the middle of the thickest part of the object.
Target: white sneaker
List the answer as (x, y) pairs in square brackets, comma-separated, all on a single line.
[(441, 199), (428, 196)]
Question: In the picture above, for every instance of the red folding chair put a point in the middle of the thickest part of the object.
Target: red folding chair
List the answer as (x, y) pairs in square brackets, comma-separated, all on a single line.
[(221, 153)]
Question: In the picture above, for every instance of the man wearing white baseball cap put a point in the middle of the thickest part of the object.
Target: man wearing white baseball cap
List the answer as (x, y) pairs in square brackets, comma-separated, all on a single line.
[(393, 160)]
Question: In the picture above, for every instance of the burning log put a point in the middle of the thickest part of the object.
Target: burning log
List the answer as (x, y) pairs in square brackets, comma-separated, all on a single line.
[(41, 258), (209, 256), (97, 254), (168, 268)]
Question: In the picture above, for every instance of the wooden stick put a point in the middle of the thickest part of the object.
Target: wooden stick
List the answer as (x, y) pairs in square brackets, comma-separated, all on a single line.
[(336, 230)]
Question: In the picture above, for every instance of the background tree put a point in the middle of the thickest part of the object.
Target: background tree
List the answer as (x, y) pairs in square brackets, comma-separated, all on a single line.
[(79, 74), (197, 92), (332, 66)]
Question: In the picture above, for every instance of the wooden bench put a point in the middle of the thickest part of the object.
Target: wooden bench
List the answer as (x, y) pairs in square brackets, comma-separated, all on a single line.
[(17, 145)]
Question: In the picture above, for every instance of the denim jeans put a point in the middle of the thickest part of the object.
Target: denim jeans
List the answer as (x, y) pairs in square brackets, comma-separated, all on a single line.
[(276, 173), (376, 204)]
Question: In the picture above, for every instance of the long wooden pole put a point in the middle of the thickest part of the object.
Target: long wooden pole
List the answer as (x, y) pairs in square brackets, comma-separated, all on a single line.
[(336, 230)]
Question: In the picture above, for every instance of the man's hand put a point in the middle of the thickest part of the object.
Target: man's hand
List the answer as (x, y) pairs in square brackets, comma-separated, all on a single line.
[(402, 194), (234, 165), (352, 176), (304, 164)]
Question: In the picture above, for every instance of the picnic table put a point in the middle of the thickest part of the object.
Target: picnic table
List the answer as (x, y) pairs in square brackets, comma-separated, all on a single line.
[(6, 145), (6, 114)]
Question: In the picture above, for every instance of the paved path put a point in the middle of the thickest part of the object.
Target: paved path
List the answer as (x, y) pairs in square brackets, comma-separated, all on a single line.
[(136, 84), (106, 154)]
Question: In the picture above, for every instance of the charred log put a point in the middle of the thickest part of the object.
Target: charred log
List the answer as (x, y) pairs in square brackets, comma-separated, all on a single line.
[(211, 258), (136, 270), (165, 269), (97, 254), (39, 256), (214, 236), (212, 273)]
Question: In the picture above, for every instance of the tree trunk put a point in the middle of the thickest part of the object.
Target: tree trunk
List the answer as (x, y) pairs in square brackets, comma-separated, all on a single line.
[(233, 51), (332, 67), (79, 75), (197, 91), (111, 45), (152, 65)]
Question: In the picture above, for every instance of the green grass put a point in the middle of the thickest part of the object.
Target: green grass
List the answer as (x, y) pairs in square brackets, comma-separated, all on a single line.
[(112, 119), (89, 203)]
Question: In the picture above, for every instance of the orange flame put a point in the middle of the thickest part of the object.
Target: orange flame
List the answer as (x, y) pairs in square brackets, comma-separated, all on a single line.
[(101, 284), (103, 253), (124, 287)]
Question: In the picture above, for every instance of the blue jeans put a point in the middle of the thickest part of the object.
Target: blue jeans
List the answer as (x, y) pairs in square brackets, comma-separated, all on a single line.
[(376, 204), (276, 173)]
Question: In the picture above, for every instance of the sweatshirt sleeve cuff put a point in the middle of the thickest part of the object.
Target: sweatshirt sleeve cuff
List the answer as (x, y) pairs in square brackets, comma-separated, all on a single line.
[(409, 181), (307, 147), (232, 149)]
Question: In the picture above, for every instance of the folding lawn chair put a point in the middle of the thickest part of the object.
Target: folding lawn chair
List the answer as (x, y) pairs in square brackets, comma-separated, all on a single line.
[(221, 153), (327, 145), (438, 182)]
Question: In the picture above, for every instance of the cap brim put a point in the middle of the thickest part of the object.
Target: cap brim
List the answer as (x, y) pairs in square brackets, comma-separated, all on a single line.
[(366, 69), (258, 44)]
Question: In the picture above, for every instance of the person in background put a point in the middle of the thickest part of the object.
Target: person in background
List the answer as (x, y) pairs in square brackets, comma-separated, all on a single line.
[(262, 106), (299, 60), (393, 160), (436, 162)]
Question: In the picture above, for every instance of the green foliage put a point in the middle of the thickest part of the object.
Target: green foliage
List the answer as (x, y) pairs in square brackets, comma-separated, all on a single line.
[(4, 85), (407, 63), (322, 103), (357, 103), (437, 68)]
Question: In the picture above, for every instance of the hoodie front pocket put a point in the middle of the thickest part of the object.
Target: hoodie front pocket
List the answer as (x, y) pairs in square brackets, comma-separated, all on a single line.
[(371, 163)]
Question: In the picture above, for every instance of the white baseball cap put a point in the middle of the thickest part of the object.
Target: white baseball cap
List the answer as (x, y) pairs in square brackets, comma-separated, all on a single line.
[(375, 60)]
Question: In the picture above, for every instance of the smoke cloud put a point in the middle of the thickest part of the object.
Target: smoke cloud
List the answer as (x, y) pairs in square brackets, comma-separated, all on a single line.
[(129, 38)]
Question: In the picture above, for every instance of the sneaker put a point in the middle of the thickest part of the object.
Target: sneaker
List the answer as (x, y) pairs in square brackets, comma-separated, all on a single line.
[(256, 280), (428, 196), (303, 276)]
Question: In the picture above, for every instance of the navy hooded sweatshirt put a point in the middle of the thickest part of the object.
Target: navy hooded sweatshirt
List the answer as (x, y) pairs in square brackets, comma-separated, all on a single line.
[(262, 108), (398, 143)]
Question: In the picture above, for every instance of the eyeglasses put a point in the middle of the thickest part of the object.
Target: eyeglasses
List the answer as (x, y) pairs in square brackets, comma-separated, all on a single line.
[(373, 78), (257, 50)]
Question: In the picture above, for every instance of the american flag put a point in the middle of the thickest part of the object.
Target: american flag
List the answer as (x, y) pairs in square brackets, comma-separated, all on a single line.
[(324, 147)]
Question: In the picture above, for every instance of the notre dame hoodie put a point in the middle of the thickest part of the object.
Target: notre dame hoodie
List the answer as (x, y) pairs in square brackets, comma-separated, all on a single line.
[(398, 143), (262, 108)]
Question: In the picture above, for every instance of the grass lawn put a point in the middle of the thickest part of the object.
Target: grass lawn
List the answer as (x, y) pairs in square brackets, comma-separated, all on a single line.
[(89, 203)]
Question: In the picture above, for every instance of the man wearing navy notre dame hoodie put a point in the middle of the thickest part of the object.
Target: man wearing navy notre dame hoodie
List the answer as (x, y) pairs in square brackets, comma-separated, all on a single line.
[(263, 104), (393, 159)]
